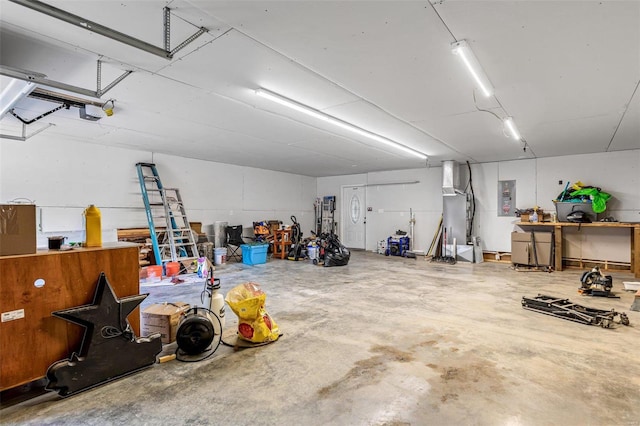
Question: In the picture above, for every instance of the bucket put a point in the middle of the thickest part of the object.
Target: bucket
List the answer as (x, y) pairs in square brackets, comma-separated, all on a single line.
[(312, 252), (172, 268), (219, 255), (92, 227), (154, 273), (55, 243)]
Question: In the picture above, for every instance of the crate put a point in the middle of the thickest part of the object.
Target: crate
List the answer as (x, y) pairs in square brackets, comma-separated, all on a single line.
[(564, 208), (254, 254)]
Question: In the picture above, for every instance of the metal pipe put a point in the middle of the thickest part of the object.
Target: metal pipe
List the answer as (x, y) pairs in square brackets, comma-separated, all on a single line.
[(412, 222), (78, 21), (393, 183)]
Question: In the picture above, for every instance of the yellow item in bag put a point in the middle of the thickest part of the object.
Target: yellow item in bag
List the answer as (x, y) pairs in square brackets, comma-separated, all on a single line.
[(254, 322)]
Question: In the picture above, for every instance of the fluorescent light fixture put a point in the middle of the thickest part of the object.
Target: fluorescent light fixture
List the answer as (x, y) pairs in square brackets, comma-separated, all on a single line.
[(463, 50), (15, 91), (511, 125), (290, 103)]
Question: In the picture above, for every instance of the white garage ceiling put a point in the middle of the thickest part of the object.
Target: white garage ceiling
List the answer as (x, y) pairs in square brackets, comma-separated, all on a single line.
[(567, 71)]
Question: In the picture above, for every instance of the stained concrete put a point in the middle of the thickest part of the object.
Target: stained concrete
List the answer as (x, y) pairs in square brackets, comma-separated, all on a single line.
[(385, 341)]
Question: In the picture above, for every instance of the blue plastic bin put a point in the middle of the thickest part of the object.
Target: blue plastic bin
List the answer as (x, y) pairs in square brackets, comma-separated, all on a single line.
[(254, 254)]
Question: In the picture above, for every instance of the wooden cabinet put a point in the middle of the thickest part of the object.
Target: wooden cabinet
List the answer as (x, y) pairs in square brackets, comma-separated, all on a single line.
[(33, 286), (522, 249)]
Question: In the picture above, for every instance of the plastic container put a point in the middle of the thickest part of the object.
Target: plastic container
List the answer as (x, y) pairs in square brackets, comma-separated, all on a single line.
[(217, 301), (254, 254), (219, 255), (631, 285), (312, 252), (92, 227), (55, 243), (564, 208), (172, 269), (154, 273)]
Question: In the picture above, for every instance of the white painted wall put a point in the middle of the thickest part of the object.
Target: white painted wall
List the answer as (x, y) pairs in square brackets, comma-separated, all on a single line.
[(536, 184), (390, 203), (65, 176)]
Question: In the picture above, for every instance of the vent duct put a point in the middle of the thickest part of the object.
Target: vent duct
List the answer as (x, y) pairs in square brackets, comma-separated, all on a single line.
[(450, 178)]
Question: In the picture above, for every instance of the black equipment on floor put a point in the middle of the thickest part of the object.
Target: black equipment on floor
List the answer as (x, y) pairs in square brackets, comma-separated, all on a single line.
[(199, 331), (233, 242), (297, 250), (563, 308), (332, 251), (595, 283)]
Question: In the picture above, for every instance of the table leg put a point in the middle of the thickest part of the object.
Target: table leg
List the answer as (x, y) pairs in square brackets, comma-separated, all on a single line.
[(558, 247)]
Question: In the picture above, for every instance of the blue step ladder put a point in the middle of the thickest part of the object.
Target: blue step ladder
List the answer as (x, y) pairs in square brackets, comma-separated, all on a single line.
[(171, 235)]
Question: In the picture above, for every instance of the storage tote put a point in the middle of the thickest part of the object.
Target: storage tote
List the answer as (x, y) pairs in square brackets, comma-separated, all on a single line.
[(254, 254)]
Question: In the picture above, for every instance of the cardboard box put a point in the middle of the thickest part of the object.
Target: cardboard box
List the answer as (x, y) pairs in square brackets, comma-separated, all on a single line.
[(162, 318), (17, 229)]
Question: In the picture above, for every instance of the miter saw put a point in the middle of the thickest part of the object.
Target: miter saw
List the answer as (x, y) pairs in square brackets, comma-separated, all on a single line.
[(595, 283)]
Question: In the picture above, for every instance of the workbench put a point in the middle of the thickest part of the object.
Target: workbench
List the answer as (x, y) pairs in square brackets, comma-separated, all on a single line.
[(31, 339), (634, 229)]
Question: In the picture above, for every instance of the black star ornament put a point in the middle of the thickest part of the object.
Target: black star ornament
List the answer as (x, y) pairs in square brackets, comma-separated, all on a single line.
[(109, 349)]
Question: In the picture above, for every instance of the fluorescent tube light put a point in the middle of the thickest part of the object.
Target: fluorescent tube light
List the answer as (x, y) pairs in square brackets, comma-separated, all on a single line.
[(291, 104), (463, 50), (335, 121), (511, 125), (15, 91)]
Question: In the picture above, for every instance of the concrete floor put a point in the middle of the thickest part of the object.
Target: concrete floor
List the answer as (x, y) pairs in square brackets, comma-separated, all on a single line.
[(384, 341)]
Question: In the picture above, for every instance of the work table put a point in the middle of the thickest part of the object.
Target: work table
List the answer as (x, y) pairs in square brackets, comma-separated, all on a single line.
[(634, 228)]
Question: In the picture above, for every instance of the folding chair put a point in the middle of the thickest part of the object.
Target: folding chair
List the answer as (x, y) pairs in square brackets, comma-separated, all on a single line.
[(233, 242)]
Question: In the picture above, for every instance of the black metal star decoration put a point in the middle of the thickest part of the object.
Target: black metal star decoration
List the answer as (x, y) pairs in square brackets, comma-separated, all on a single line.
[(109, 349)]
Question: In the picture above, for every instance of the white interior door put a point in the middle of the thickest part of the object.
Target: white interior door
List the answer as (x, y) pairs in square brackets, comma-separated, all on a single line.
[(353, 216)]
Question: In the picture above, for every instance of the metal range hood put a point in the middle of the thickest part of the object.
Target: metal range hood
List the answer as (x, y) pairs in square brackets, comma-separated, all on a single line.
[(450, 178)]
